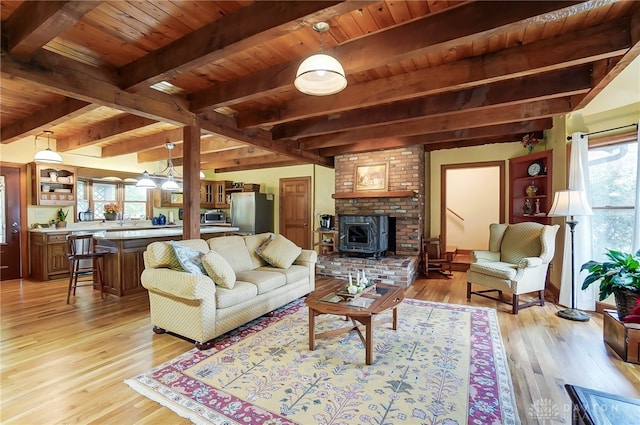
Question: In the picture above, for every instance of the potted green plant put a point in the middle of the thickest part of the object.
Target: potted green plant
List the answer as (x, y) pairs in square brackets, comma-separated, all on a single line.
[(620, 276), (61, 218)]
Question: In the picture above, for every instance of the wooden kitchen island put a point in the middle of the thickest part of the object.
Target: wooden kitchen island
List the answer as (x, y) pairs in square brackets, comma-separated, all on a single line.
[(124, 263)]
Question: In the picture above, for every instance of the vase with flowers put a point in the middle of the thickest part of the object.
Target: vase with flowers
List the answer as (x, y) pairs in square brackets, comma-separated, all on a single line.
[(111, 211), (529, 141)]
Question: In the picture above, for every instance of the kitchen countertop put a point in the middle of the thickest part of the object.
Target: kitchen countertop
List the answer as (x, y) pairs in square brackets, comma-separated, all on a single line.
[(154, 233), (114, 226)]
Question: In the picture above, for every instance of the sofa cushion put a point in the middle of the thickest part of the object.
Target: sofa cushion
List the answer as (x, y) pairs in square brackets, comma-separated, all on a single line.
[(279, 252), (218, 269), (241, 292), (162, 255), (293, 274), (189, 258), (234, 250), (265, 281), (254, 242)]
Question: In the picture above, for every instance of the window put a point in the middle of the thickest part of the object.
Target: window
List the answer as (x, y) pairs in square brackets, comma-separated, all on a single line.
[(92, 195), (612, 186)]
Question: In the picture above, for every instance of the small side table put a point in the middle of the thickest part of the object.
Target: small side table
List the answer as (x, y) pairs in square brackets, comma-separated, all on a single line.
[(591, 407)]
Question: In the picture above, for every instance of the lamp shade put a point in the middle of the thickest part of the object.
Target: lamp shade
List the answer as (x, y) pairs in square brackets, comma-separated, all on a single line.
[(146, 182), (49, 156), (170, 184), (320, 75), (568, 203)]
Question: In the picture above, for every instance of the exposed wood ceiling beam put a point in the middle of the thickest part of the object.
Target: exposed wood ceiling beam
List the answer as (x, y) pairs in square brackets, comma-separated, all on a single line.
[(605, 71), (230, 155), (35, 23), (247, 27), (460, 120), (250, 161), (538, 87), (45, 118), (60, 75), (69, 82), (103, 131), (261, 166), (140, 144), (438, 32), (608, 40), (428, 147), (208, 144), (463, 134), (213, 122)]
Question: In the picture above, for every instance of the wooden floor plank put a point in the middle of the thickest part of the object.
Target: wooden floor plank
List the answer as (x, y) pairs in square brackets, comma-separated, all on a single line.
[(67, 363)]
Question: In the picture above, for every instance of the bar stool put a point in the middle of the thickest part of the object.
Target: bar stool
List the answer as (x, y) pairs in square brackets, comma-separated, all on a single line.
[(84, 261)]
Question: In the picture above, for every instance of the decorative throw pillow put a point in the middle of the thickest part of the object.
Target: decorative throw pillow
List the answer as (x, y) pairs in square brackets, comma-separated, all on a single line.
[(279, 252), (189, 258), (219, 269)]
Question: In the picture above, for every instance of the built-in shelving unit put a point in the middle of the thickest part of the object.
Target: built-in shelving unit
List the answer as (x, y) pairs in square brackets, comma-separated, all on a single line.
[(523, 205), (53, 184)]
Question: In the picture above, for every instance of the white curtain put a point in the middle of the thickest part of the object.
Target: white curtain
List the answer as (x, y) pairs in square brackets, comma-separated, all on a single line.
[(578, 180), (635, 242)]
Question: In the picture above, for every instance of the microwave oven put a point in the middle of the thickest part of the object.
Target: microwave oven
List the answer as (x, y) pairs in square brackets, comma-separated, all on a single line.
[(211, 217)]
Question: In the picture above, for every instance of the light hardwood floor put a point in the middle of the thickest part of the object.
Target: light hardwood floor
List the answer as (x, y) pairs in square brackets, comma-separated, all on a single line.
[(66, 364)]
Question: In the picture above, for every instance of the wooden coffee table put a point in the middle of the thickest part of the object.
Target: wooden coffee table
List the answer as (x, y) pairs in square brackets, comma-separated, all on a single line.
[(386, 297)]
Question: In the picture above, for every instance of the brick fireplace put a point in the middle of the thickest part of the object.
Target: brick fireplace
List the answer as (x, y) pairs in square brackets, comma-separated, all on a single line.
[(403, 201)]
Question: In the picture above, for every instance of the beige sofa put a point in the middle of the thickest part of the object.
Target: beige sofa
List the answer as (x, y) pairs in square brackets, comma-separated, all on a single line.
[(192, 305)]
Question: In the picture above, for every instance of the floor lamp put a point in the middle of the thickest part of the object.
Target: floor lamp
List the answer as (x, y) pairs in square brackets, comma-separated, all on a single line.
[(570, 203)]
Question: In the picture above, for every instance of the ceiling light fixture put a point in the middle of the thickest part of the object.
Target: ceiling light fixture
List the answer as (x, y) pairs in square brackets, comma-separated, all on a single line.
[(170, 184), (47, 155), (145, 182), (320, 74)]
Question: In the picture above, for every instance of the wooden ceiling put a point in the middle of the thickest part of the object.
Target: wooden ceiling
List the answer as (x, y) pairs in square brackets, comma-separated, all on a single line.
[(439, 73)]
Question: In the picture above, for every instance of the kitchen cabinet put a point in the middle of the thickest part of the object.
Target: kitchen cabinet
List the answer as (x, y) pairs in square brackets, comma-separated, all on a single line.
[(53, 184), (224, 188), (221, 191), (167, 199), (530, 193), (48, 255), (208, 192)]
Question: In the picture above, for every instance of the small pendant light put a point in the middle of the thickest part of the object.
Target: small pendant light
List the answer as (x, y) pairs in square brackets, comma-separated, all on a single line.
[(47, 155), (145, 182)]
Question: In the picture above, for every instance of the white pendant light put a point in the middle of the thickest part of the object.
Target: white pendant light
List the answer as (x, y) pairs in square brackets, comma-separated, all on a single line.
[(320, 74), (170, 184), (145, 182), (47, 155), (202, 174)]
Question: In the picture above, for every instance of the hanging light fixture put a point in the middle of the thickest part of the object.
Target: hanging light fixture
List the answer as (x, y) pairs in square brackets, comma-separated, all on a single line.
[(145, 182), (320, 74), (47, 155), (202, 175), (170, 184)]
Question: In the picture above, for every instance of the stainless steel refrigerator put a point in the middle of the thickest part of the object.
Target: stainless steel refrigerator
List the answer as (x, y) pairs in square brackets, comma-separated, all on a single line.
[(252, 212)]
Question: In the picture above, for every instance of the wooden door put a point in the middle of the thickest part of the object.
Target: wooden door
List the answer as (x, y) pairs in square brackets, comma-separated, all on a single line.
[(10, 224), (295, 210)]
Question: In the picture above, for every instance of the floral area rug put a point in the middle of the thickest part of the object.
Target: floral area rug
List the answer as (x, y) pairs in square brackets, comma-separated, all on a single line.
[(445, 364)]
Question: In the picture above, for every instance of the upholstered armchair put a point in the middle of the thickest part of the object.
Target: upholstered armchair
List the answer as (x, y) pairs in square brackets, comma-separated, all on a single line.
[(516, 262)]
